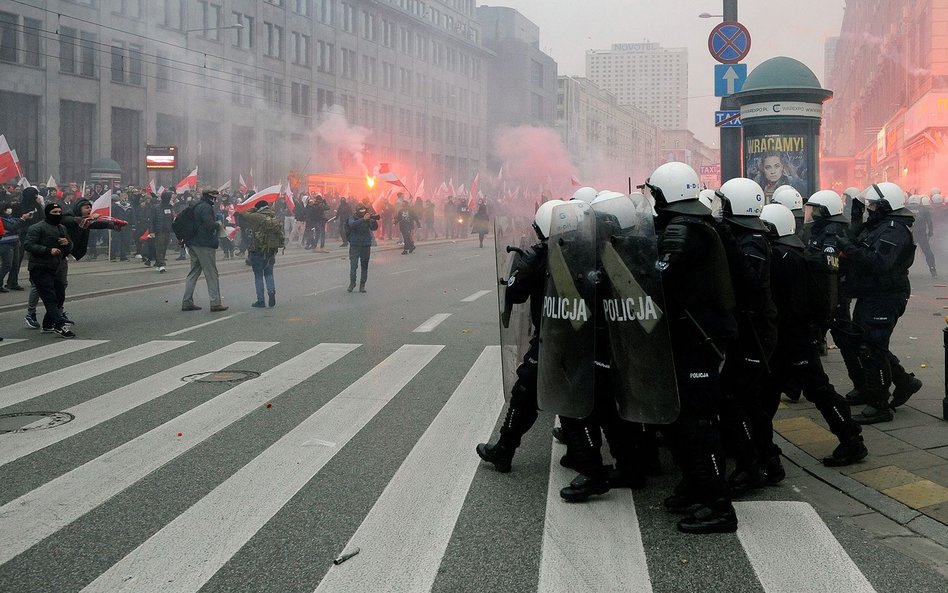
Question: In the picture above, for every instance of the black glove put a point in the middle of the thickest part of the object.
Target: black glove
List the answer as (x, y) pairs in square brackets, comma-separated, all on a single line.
[(843, 244)]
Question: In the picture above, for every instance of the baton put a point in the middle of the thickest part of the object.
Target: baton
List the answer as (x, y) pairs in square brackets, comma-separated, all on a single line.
[(760, 348), (707, 339)]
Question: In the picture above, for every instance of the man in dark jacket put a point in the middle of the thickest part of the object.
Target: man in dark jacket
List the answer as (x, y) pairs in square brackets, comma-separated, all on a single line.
[(48, 245), (203, 249), (158, 226), (343, 212), (315, 216), (10, 246), (407, 223), (361, 226)]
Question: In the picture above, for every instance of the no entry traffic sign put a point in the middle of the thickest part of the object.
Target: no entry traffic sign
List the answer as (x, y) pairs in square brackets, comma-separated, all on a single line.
[(729, 42)]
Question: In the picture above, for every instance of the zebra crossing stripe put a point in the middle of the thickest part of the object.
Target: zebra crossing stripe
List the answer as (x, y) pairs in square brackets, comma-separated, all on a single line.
[(13, 361), (187, 552), (793, 551), (475, 296), (111, 404), (432, 323), (595, 546), (8, 341), (68, 497), (63, 377), (405, 535)]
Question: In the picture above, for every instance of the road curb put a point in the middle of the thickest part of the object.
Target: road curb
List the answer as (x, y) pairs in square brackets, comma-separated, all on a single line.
[(893, 509)]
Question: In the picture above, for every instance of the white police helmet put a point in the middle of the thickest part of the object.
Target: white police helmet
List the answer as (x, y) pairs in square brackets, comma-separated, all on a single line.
[(743, 200), (543, 219)]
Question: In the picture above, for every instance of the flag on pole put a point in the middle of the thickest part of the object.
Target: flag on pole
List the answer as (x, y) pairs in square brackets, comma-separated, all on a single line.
[(461, 190), (24, 182), (242, 186), (420, 190), (473, 200), (151, 186), (500, 174), (269, 195), (384, 172), (188, 182), (224, 187), (451, 187), (253, 184), (290, 202), (82, 192), (51, 182), (161, 190), (103, 204), (8, 163)]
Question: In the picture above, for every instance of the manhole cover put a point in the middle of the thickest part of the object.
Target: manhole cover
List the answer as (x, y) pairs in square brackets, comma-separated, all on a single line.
[(21, 421), (221, 377)]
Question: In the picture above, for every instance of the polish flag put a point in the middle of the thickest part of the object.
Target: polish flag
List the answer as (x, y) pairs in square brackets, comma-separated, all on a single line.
[(224, 187), (384, 172), (290, 202), (8, 163), (154, 189), (253, 184), (103, 204), (473, 200), (24, 182), (573, 181), (420, 190), (242, 185), (189, 182), (269, 195), (160, 191), (461, 190)]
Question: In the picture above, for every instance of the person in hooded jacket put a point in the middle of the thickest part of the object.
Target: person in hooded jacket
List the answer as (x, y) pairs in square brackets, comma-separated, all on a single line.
[(48, 244), (159, 229), (10, 246)]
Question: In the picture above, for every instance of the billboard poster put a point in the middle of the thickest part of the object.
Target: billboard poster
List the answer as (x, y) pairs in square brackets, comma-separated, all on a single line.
[(773, 160)]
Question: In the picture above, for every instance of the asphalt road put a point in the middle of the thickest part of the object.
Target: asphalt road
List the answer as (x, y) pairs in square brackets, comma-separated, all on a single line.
[(358, 433)]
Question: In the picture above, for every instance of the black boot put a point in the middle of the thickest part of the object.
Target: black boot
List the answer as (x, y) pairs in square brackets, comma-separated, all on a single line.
[(682, 500), (500, 455), (745, 479), (272, 300), (873, 415), (905, 387), (847, 453), (855, 397), (558, 435), (362, 287), (933, 271), (583, 486), (773, 470), (352, 286), (627, 478), (716, 517)]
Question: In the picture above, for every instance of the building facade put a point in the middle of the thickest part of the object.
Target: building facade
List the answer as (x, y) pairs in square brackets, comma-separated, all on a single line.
[(683, 147), (608, 142), (888, 119), (521, 86), (650, 77), (85, 79)]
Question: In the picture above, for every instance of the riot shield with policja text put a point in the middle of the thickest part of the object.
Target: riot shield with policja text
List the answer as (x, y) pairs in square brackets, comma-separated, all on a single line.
[(566, 373), (516, 327), (633, 303)]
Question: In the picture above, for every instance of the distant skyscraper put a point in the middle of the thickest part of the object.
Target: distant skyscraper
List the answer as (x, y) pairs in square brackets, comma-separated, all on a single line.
[(829, 60), (650, 77)]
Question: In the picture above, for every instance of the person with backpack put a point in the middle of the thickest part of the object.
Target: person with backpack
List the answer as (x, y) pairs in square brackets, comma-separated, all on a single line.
[(266, 238), (196, 228)]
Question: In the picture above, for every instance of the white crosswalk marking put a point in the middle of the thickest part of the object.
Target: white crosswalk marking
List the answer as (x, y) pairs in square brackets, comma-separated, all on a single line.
[(793, 551), (65, 499), (8, 341), (432, 323), (611, 557), (475, 296), (55, 350), (65, 376), (189, 550), (404, 536), (109, 405)]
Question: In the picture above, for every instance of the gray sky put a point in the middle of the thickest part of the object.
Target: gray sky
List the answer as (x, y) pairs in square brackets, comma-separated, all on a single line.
[(794, 28)]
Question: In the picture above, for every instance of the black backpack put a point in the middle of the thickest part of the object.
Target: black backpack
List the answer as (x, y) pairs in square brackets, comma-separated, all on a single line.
[(185, 225)]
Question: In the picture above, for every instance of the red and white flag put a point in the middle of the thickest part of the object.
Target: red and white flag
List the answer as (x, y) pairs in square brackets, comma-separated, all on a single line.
[(270, 195), (461, 190), (242, 185), (290, 202), (451, 187), (153, 187), (8, 163), (161, 190), (384, 172), (189, 182), (253, 184), (573, 181), (24, 182), (473, 200), (103, 204), (420, 190), (224, 187)]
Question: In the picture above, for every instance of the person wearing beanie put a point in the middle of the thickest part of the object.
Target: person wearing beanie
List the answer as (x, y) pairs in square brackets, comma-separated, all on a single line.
[(159, 228), (266, 238), (48, 244), (203, 250)]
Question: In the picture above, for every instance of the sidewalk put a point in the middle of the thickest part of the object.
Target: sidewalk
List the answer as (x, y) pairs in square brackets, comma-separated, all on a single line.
[(905, 476)]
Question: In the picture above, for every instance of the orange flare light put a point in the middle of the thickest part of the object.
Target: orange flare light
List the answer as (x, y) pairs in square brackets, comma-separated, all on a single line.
[(370, 181)]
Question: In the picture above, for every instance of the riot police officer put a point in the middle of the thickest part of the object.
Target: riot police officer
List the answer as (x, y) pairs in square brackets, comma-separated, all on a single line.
[(700, 305), (879, 260), (788, 196), (747, 424), (527, 281), (804, 297)]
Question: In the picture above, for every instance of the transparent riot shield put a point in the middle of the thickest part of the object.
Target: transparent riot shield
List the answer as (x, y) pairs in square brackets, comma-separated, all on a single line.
[(565, 377), (634, 306), (516, 327)]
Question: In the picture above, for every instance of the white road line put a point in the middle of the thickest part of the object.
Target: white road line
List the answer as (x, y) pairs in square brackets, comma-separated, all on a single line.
[(793, 551), (469, 257), (612, 555), (432, 323), (405, 535), (68, 497), (200, 325), (8, 341), (61, 348), (187, 552), (63, 377), (403, 272), (109, 405), (319, 292), (475, 296)]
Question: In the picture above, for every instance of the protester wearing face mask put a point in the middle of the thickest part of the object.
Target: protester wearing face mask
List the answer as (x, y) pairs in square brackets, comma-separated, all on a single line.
[(48, 245), (10, 246)]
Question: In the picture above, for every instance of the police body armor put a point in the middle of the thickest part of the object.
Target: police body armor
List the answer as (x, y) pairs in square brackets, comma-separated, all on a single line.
[(516, 323), (632, 299), (565, 382)]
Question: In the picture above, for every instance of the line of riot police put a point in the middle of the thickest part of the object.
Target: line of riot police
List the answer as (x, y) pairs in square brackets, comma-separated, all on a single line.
[(689, 315)]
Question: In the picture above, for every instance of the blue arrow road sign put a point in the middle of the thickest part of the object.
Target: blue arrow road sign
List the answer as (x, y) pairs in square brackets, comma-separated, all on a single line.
[(729, 79), (727, 119)]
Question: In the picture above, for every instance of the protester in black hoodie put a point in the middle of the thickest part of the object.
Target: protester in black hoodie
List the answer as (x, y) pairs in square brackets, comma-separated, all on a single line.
[(48, 244), (159, 228)]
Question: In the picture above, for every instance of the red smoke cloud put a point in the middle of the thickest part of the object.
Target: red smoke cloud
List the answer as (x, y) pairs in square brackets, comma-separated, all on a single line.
[(534, 157)]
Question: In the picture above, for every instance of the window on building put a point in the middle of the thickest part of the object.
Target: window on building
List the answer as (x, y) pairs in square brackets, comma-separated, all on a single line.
[(162, 71), (32, 50), (171, 13), (388, 76), (301, 50), (404, 86), (369, 66), (536, 73), (302, 7), (87, 43), (348, 17), (388, 33), (349, 63), (404, 122), (210, 20), (19, 120), (130, 8), (76, 139), (421, 125), (368, 114), (274, 40), (8, 36), (245, 36), (368, 26), (299, 102), (326, 11), (118, 62), (134, 64), (127, 142)]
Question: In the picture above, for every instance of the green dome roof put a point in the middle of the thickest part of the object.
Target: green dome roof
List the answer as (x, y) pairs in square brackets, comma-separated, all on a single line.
[(781, 73), (107, 165)]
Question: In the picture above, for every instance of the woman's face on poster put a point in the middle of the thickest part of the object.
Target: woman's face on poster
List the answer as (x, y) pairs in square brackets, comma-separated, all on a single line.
[(773, 168)]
